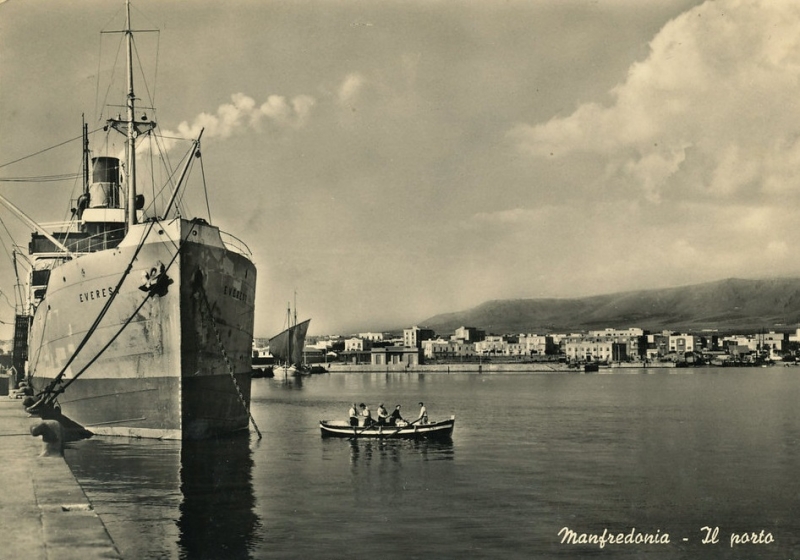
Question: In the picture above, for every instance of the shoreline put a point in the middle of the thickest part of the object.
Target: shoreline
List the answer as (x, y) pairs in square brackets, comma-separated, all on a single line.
[(482, 368)]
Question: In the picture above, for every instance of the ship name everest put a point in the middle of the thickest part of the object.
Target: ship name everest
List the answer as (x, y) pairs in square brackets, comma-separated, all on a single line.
[(95, 294), (234, 293)]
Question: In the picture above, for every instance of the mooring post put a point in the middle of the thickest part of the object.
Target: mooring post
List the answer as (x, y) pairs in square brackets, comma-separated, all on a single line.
[(52, 433)]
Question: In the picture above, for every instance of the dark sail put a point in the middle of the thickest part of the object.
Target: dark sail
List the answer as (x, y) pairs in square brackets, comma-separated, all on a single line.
[(287, 347)]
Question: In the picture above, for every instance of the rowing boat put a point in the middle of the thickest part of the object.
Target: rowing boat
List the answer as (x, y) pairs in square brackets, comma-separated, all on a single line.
[(442, 430)]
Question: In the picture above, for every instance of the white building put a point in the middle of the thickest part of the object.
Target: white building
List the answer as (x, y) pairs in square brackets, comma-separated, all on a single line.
[(589, 349), (447, 349), (682, 343), (371, 336), (413, 337), (357, 345), (536, 344)]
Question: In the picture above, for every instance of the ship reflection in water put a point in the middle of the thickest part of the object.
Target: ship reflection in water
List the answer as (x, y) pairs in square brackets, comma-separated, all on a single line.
[(192, 499), (217, 514)]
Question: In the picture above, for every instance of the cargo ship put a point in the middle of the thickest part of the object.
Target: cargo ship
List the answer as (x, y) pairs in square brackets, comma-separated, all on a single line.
[(137, 321)]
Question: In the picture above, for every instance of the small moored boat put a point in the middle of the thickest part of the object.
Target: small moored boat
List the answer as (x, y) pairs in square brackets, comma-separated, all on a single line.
[(442, 430)]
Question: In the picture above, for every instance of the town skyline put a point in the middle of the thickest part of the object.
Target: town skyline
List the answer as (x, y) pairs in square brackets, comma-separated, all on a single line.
[(444, 153)]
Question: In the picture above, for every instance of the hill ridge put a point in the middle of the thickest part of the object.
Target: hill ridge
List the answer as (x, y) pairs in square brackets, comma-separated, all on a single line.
[(726, 305)]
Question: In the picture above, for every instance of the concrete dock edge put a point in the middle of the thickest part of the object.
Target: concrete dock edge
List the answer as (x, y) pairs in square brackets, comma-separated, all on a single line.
[(43, 510)]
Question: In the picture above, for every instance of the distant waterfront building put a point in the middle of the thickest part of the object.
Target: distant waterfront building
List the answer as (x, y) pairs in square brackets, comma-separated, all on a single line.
[(441, 349), (534, 344), (395, 355), (682, 343), (710, 342), (514, 349), (435, 349), (413, 337), (323, 344), (772, 341), (469, 334), (589, 349), (492, 344), (657, 345), (739, 340), (357, 345), (371, 336), (260, 349), (613, 345)]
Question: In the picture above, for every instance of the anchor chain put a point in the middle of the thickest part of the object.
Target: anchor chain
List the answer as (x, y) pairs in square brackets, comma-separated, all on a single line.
[(202, 291)]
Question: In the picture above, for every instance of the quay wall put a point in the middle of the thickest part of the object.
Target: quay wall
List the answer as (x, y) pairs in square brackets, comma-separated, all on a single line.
[(42, 506), (479, 368)]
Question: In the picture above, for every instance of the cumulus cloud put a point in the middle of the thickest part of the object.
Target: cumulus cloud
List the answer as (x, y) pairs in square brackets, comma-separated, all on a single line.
[(712, 111), (244, 112)]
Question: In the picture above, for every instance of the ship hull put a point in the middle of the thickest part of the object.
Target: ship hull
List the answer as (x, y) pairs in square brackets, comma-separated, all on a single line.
[(169, 359)]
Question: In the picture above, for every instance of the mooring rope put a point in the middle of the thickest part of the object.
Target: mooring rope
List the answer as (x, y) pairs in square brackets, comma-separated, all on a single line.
[(51, 387), (50, 393)]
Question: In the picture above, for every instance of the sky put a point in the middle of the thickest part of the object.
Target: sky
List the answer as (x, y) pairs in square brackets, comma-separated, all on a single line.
[(388, 160)]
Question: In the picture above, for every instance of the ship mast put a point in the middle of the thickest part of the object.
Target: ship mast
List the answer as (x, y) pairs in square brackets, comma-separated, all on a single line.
[(128, 126), (130, 207), (85, 157)]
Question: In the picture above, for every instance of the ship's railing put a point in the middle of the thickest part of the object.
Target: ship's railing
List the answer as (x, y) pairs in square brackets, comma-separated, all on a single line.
[(71, 225), (235, 244), (76, 241)]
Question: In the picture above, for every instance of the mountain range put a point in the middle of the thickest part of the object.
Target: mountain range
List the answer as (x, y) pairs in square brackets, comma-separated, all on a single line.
[(726, 305)]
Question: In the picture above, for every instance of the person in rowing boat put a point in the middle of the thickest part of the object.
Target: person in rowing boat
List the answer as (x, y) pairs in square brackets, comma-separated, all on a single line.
[(383, 415), (395, 417), (423, 414), (367, 415), (353, 413)]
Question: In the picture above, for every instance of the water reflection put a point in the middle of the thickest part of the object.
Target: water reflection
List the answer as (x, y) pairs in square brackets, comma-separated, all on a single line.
[(397, 450), (289, 381), (187, 500), (217, 517)]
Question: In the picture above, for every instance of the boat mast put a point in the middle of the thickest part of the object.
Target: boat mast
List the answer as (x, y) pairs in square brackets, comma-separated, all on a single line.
[(291, 334), (131, 163)]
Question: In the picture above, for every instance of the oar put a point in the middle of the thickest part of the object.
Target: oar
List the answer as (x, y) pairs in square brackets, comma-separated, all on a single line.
[(356, 433), (365, 428), (398, 430)]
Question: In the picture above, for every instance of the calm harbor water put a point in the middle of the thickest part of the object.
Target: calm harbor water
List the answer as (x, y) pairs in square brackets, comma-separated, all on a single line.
[(657, 452)]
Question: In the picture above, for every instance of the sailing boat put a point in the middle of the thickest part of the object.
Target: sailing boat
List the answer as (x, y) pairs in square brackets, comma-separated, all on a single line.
[(287, 346), (137, 324)]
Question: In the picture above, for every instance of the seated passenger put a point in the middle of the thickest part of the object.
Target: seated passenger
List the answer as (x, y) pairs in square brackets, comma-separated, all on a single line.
[(366, 414), (353, 415), (383, 415), (395, 416)]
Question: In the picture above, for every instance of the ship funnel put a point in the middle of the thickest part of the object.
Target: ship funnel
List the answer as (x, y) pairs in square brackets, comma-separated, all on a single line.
[(104, 190)]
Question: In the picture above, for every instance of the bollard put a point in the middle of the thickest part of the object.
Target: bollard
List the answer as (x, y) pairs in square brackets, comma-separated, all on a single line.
[(52, 433)]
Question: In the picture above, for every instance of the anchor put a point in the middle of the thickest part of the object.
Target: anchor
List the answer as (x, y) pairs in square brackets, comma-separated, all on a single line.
[(156, 280)]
